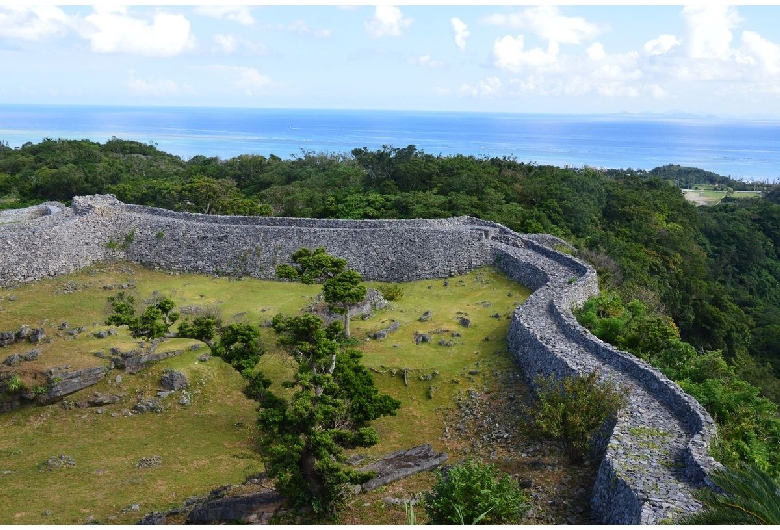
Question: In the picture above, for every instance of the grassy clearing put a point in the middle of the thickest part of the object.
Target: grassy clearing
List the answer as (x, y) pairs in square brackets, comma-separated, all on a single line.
[(200, 447), (210, 442), (452, 369), (706, 196)]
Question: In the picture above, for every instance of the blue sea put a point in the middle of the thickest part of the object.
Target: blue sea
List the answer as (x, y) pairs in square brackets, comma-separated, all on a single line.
[(748, 150)]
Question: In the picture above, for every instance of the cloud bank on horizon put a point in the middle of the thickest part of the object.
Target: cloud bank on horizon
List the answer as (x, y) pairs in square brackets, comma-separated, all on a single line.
[(574, 59)]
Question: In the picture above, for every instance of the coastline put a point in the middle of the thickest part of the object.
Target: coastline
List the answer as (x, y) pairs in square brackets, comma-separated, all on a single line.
[(737, 148)]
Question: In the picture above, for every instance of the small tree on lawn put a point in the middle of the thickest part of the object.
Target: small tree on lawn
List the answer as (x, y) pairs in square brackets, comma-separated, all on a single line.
[(342, 292), (311, 266), (203, 328), (240, 346), (153, 323), (303, 437)]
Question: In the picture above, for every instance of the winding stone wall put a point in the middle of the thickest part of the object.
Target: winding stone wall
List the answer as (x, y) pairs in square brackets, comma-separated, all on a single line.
[(654, 454)]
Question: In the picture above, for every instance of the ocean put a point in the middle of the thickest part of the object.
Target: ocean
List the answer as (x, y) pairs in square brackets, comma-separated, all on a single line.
[(748, 150)]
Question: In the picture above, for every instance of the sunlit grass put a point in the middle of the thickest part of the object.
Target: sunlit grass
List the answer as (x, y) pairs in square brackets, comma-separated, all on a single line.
[(209, 443)]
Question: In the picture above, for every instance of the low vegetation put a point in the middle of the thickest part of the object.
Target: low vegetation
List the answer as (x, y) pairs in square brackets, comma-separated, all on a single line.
[(473, 493), (748, 423), (573, 409), (210, 442)]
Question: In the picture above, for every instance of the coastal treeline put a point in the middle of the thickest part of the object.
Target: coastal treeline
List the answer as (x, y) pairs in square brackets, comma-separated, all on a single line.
[(708, 277)]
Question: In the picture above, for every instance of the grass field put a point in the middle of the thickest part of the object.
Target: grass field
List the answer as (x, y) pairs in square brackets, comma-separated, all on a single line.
[(706, 196), (209, 443)]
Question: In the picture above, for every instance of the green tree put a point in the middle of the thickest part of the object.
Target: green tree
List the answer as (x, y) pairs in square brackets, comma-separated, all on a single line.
[(154, 322), (311, 266), (572, 409), (334, 398), (240, 345), (219, 196), (472, 493), (123, 309), (203, 328), (342, 292)]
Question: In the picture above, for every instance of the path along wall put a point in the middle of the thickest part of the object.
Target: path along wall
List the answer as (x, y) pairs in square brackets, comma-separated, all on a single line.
[(638, 482)]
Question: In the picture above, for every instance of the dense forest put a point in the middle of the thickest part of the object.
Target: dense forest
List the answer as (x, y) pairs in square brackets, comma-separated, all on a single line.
[(709, 275)]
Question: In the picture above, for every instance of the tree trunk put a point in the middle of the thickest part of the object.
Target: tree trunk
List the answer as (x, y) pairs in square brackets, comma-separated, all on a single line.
[(332, 364), (309, 472), (346, 322)]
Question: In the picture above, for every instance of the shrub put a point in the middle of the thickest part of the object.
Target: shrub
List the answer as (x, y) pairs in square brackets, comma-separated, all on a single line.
[(392, 291), (573, 409), (154, 322), (240, 346), (471, 493), (203, 328)]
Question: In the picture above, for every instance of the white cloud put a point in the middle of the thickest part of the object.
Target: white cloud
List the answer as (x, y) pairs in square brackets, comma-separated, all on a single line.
[(226, 42), (708, 30), (661, 45), (532, 84), (426, 61), (596, 52), (489, 87), (461, 33), (32, 23), (240, 14), (302, 28), (114, 31), (387, 21), (702, 59), (161, 87), (617, 89), (657, 91), (547, 23), (509, 54), (757, 50), (230, 44), (243, 78)]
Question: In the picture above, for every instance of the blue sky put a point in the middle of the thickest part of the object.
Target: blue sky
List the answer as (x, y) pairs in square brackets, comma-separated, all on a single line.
[(717, 60)]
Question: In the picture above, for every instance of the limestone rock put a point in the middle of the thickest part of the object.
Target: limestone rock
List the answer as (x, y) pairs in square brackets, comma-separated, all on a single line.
[(400, 464), (253, 509), (174, 380)]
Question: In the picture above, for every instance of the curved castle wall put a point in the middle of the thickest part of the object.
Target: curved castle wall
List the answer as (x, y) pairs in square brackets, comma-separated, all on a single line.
[(653, 456)]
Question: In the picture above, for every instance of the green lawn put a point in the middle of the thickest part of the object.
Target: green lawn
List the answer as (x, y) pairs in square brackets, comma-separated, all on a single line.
[(209, 443)]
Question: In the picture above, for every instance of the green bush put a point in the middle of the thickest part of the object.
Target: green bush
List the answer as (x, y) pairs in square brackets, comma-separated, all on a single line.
[(240, 345), (571, 410), (472, 493), (392, 291), (203, 328)]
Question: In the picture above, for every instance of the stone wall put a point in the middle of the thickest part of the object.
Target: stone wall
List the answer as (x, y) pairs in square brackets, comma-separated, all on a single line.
[(654, 454)]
